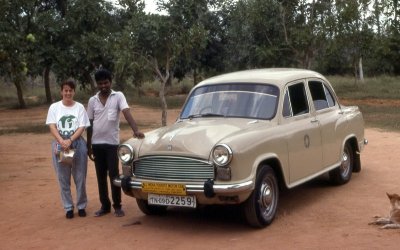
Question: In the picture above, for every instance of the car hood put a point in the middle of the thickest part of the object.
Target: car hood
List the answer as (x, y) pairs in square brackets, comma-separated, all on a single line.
[(194, 138)]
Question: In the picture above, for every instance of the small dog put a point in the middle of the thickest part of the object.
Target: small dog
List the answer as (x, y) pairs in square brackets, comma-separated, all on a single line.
[(393, 221)]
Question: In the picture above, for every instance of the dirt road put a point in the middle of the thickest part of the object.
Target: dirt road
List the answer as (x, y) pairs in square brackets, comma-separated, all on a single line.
[(313, 216)]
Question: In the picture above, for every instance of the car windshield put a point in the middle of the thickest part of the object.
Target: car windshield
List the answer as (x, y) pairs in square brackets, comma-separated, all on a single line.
[(246, 100)]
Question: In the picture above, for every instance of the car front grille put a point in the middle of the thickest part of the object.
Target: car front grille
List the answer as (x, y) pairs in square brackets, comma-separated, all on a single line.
[(173, 168)]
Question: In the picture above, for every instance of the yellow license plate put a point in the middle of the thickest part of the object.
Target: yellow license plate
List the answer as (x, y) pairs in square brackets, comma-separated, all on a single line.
[(163, 188)]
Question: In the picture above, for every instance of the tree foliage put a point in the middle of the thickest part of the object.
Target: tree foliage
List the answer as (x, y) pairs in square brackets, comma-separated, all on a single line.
[(73, 38)]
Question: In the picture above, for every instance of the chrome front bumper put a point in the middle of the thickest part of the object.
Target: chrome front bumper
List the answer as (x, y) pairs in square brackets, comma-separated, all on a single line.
[(223, 189)]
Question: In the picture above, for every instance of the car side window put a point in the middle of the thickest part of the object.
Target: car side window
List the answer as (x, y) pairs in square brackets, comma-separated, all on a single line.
[(318, 94), (287, 111), (329, 97), (295, 101)]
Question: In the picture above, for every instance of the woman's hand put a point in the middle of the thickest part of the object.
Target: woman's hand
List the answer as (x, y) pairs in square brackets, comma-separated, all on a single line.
[(66, 144)]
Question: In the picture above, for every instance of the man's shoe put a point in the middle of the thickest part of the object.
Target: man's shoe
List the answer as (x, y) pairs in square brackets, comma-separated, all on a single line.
[(82, 213), (119, 212), (69, 214), (101, 212)]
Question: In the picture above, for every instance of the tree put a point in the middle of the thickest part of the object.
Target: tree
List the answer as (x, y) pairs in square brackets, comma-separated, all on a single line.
[(71, 38), (49, 33), (87, 40), (16, 23), (353, 32), (127, 64), (189, 19), (307, 25), (261, 31), (392, 52), (160, 41), (157, 47), (237, 34)]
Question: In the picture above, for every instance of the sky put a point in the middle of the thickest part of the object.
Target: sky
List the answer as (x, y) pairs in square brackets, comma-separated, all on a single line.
[(150, 5)]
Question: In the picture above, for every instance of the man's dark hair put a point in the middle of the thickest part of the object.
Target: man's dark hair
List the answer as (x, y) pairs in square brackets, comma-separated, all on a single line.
[(102, 74)]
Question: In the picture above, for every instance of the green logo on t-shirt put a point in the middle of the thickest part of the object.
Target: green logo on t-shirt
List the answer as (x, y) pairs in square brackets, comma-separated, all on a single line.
[(67, 125)]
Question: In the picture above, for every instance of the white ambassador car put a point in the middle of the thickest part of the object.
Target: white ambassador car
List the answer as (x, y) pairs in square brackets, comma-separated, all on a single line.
[(242, 137)]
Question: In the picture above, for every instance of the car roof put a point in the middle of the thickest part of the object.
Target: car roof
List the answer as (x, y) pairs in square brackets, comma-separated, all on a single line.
[(278, 76)]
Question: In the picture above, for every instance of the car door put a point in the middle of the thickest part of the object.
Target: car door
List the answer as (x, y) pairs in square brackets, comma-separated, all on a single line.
[(303, 134), (328, 114)]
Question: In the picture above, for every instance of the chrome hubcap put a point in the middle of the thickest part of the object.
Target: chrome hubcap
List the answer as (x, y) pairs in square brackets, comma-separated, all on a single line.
[(266, 200), (345, 166), (266, 195)]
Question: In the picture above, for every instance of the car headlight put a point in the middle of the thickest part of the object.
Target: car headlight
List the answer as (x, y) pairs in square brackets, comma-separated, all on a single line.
[(125, 153), (222, 155)]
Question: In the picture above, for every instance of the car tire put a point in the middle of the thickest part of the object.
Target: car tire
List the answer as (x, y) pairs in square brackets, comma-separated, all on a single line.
[(342, 174), (260, 208), (150, 209)]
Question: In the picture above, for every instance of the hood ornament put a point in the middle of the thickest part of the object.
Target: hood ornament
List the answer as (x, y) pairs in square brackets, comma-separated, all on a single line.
[(172, 135)]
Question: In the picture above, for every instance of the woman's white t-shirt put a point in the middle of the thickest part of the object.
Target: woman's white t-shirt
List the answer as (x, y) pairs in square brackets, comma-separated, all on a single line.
[(67, 119)]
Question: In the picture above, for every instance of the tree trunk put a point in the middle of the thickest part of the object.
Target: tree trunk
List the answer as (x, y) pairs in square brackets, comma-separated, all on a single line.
[(355, 72), (164, 105), (377, 13), (396, 23), (163, 81), (195, 80), (360, 70), (46, 77), (90, 80), (18, 86), (119, 79), (17, 79), (307, 61)]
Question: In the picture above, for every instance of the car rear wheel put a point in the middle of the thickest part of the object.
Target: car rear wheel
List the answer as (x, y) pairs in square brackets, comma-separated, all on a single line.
[(342, 174), (260, 208), (150, 209)]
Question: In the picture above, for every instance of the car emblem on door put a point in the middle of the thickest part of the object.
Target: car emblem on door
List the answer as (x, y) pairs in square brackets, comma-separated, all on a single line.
[(306, 141)]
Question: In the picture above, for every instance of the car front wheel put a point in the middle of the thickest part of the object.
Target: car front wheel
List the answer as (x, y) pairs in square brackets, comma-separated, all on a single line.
[(342, 174), (260, 208)]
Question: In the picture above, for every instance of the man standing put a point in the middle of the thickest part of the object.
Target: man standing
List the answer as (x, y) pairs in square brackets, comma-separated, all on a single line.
[(103, 138)]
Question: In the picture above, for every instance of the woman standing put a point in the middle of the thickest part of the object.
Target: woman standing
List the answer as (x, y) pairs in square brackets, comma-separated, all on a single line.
[(67, 120)]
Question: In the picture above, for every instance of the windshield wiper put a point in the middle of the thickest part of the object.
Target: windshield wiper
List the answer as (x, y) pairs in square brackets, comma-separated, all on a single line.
[(205, 115)]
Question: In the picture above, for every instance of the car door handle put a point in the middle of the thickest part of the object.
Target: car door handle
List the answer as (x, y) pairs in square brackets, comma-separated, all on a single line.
[(313, 121)]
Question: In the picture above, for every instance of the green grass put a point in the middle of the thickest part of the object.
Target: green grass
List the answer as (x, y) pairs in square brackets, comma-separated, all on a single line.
[(147, 95), (387, 118), (383, 87), (26, 128), (34, 96), (176, 95), (155, 102)]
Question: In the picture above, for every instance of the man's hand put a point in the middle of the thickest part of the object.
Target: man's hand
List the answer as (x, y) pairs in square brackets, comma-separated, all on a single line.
[(138, 134), (132, 123), (90, 152)]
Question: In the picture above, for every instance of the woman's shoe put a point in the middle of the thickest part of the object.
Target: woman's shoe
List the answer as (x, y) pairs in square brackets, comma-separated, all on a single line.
[(69, 214), (82, 213)]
